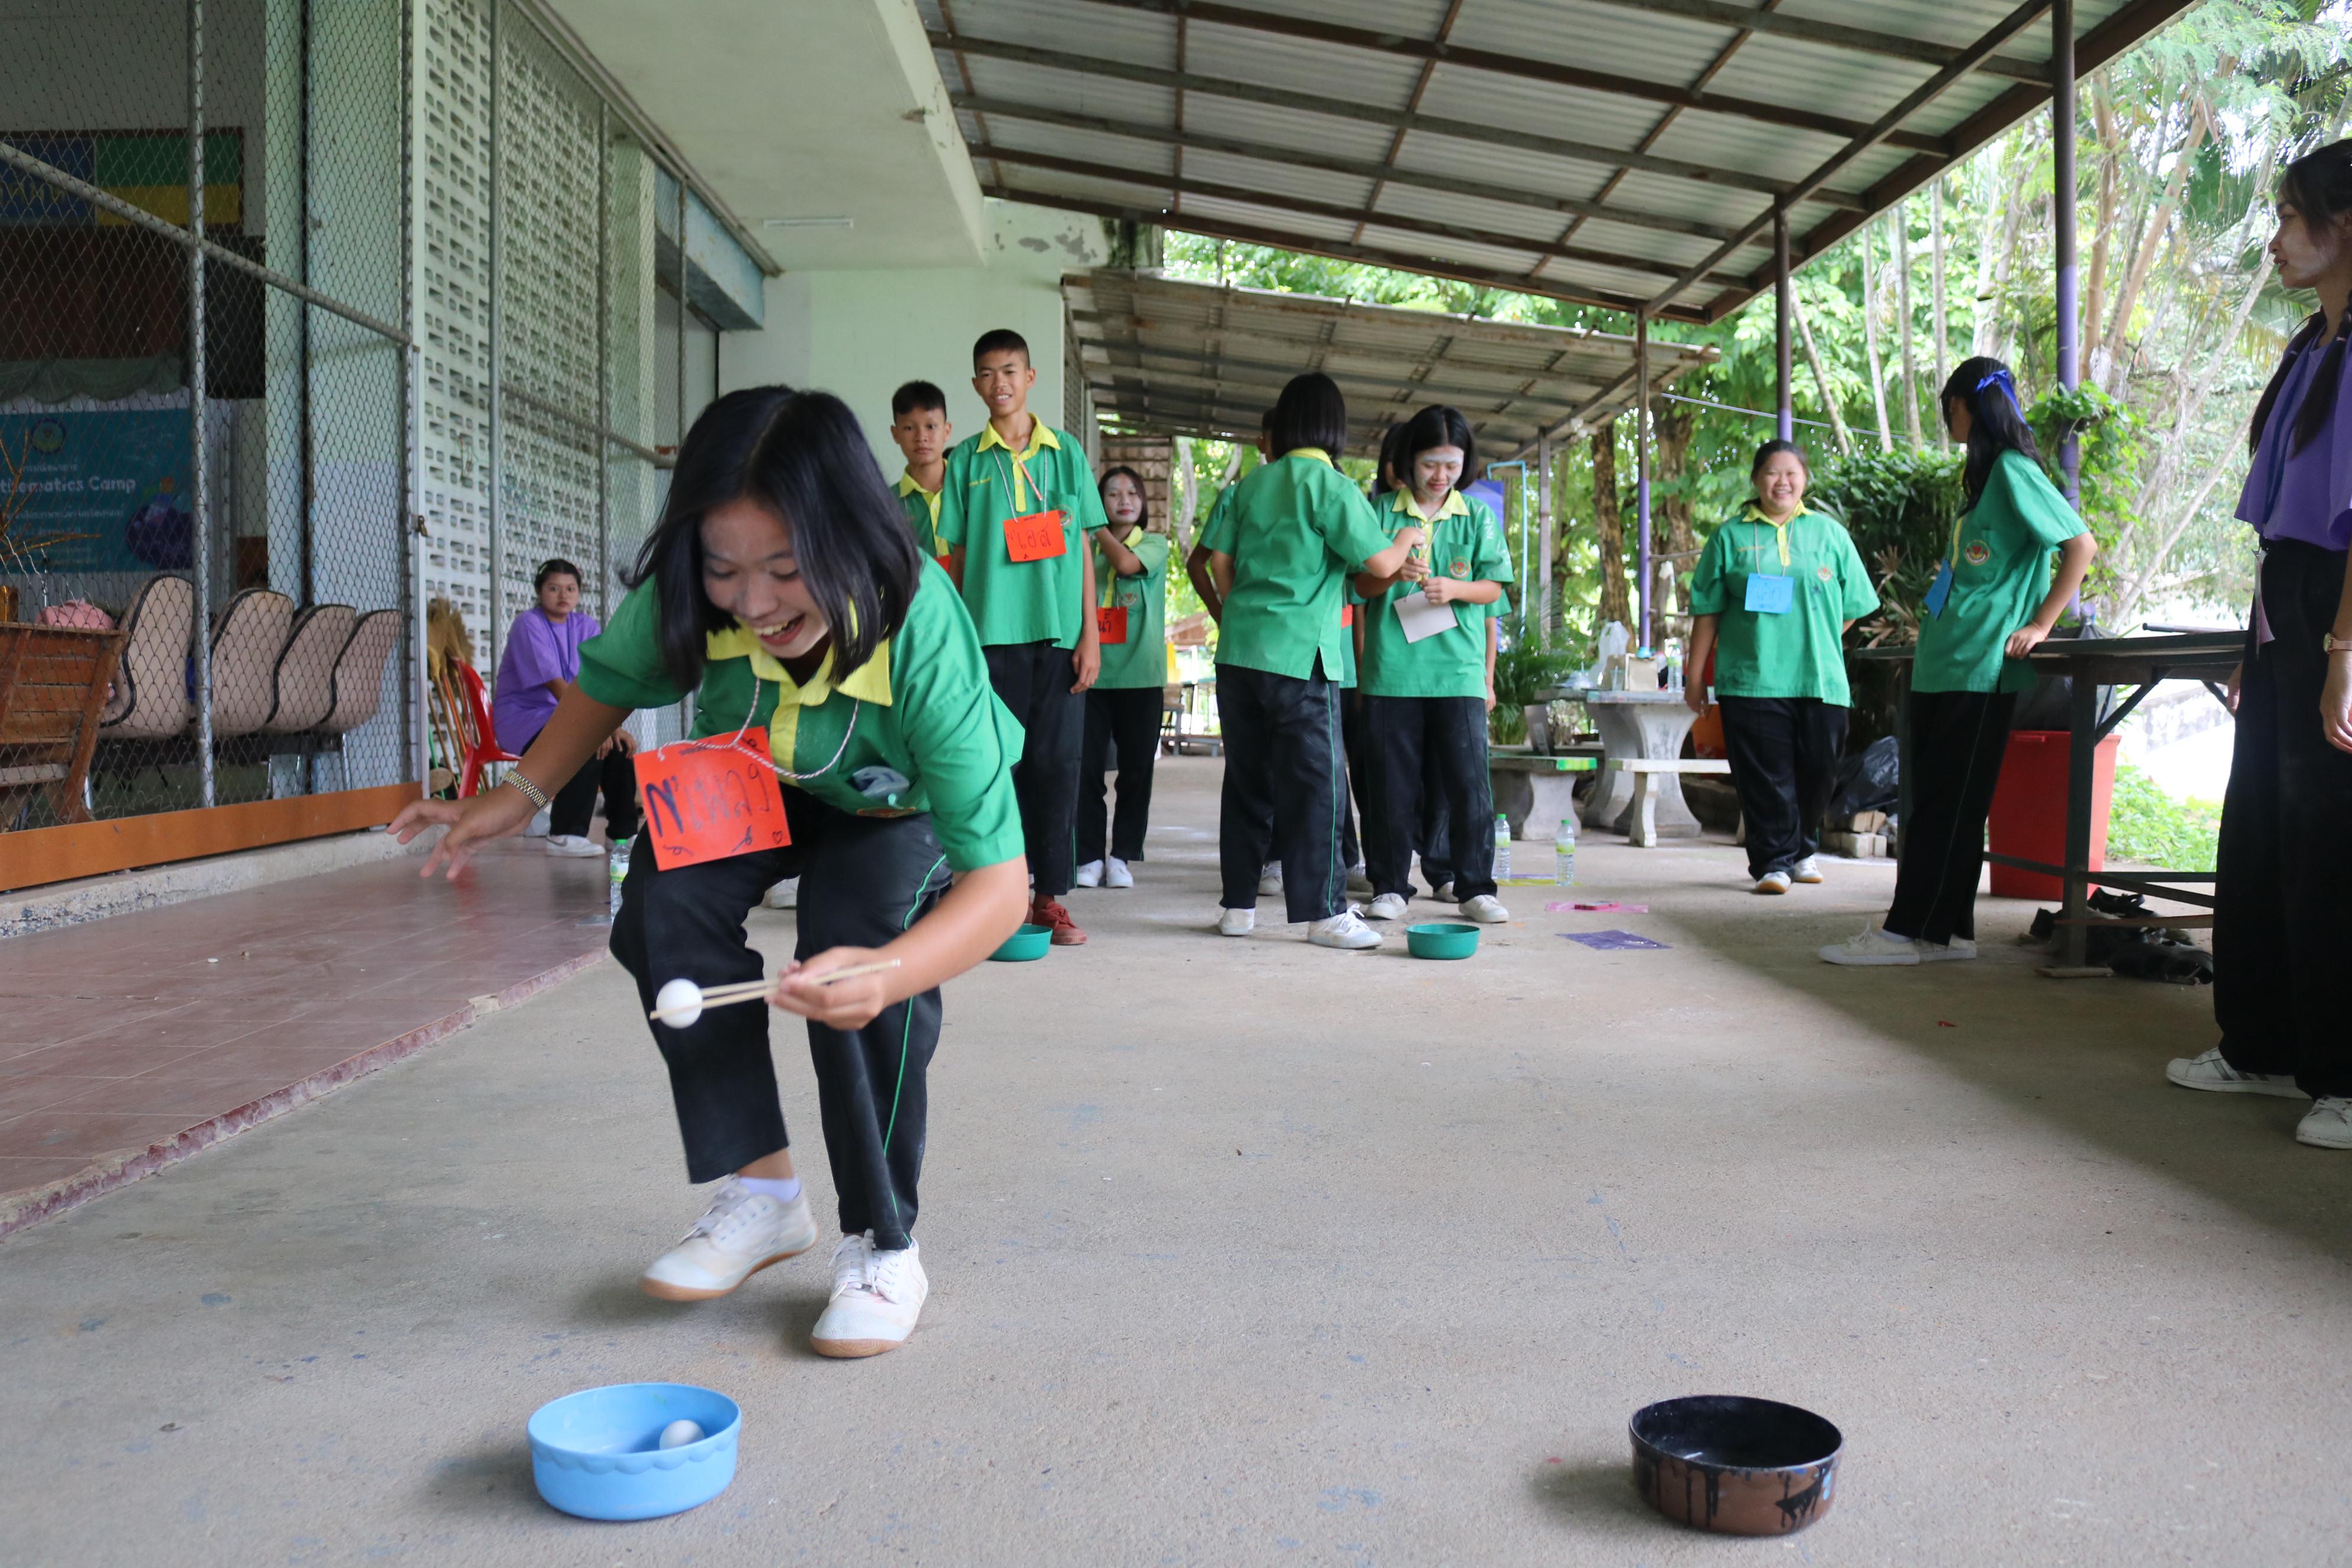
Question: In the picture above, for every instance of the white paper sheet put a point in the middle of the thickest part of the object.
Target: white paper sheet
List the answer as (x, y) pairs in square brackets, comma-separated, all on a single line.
[(1422, 619)]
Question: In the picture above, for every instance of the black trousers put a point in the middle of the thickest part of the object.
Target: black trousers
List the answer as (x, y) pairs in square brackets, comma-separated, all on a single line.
[(1784, 755), (1034, 680), (1958, 740), (862, 881), (1284, 765), (1435, 842), (1351, 760), (615, 773), (1122, 725), (1418, 744), (2282, 925)]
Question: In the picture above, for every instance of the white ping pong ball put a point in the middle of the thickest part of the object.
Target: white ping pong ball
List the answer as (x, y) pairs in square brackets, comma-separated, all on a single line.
[(681, 1000)]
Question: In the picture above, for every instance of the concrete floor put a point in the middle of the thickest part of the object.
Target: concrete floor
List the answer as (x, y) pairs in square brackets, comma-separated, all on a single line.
[(1248, 1252)]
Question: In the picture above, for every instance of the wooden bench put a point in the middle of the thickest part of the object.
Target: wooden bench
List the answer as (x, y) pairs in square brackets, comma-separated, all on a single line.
[(53, 687), (1643, 831)]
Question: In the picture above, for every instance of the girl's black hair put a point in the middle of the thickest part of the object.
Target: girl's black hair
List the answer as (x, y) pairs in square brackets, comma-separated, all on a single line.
[(2319, 185), (1384, 477), (1143, 518), (555, 566), (1439, 424), (801, 456), (1996, 423), (1311, 413), (1772, 448)]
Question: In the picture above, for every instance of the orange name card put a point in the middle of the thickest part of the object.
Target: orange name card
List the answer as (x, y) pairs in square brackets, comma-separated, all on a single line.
[(707, 802), (1035, 537), (1110, 624)]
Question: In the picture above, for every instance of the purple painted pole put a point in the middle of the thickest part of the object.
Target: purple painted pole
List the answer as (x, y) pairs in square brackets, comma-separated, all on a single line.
[(2061, 169), (1642, 469), (1783, 298)]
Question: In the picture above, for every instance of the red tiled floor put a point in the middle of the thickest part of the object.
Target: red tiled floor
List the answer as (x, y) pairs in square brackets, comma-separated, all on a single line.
[(120, 1034)]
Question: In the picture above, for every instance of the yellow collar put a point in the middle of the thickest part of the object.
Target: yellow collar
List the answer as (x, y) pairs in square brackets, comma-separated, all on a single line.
[(1454, 505), (1313, 454), (1754, 513), (908, 487), (1041, 434), (869, 682)]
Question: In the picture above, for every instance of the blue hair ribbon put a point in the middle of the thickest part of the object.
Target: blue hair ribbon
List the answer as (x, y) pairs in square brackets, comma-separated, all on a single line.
[(2000, 378)]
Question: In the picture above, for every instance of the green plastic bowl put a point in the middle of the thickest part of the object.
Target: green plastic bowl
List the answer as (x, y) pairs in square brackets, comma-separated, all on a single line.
[(1441, 939), (1028, 942)]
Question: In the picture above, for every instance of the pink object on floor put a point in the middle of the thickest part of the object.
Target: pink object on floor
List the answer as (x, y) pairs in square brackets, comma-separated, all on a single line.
[(1558, 907)]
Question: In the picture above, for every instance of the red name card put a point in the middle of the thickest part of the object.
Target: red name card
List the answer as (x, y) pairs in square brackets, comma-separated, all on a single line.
[(1035, 537), (707, 802)]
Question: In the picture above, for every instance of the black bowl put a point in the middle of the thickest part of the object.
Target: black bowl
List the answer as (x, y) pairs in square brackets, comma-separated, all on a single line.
[(1734, 1465)]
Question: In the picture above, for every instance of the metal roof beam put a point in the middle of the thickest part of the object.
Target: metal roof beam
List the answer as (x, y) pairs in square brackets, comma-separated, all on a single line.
[(1545, 71), (1262, 372), (1331, 163), (1180, 186), (1839, 36), (964, 44)]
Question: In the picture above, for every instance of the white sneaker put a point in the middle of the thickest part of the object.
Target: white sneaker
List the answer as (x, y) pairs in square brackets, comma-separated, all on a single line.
[(2207, 1070), (1809, 870), (876, 1296), (572, 844), (1444, 891), (1946, 952), (1116, 874), (785, 895), (1269, 877), (1486, 908), (1772, 882), (1359, 882), (1871, 945), (740, 1233), (1343, 930), (2328, 1124), (1387, 907), (1088, 875), (1236, 922)]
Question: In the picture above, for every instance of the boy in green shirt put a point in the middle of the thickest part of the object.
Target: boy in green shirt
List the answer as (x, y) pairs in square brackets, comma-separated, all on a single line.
[(1018, 513), (1123, 708), (919, 423)]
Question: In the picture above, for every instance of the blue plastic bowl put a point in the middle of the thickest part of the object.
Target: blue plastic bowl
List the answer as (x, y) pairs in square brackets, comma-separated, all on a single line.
[(597, 1453), (1030, 941), (1441, 939)]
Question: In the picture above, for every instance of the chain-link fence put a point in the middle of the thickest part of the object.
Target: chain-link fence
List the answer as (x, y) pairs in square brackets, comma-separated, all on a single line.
[(323, 323)]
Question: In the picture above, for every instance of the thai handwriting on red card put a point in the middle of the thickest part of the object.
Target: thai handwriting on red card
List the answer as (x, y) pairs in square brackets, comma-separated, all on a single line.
[(1035, 536), (707, 803), (1110, 624)]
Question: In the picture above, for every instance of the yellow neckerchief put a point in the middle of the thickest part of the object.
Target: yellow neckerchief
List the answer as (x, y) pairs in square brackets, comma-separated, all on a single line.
[(1407, 502), (1110, 584), (869, 682), (1314, 454), (908, 487), (1754, 513), (1041, 435)]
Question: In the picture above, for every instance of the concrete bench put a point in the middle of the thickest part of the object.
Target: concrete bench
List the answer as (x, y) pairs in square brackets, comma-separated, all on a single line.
[(1642, 830), (1535, 791)]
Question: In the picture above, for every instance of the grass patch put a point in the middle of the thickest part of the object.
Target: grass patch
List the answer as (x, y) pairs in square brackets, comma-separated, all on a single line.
[(2145, 824)]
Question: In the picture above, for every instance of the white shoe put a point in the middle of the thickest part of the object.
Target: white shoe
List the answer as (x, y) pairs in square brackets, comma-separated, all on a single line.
[(1946, 952), (1387, 907), (1444, 891), (1871, 945), (1772, 882), (1809, 870), (2207, 1070), (876, 1296), (785, 895), (1236, 922), (1359, 883), (572, 844), (740, 1233), (2328, 1124), (1116, 874), (1269, 877), (1486, 908), (1343, 930), (1089, 875)]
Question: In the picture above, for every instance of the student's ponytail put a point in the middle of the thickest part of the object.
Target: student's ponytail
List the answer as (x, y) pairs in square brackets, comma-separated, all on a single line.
[(1996, 422), (2319, 185)]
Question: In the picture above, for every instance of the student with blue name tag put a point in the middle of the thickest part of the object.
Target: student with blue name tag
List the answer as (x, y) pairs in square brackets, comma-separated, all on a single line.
[(1775, 590)]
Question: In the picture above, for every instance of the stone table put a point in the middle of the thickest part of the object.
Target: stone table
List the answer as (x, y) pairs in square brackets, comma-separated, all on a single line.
[(1635, 724)]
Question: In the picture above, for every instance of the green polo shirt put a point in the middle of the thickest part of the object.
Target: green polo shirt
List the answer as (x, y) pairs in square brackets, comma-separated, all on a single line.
[(1296, 529), (1465, 543), (2000, 571), (1020, 600), (925, 731), (1797, 652), (1142, 660), (922, 508)]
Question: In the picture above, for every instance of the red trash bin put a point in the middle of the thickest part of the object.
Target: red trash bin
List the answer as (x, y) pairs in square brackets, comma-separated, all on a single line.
[(2029, 810)]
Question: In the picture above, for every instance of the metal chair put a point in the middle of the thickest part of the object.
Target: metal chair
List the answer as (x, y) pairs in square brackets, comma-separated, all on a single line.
[(246, 641), (359, 673), (303, 683), (150, 681)]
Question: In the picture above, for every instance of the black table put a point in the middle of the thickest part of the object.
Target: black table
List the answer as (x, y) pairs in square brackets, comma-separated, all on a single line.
[(2094, 664)]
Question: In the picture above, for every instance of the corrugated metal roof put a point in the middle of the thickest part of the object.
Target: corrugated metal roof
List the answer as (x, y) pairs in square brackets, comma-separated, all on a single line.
[(1622, 153), (1168, 358)]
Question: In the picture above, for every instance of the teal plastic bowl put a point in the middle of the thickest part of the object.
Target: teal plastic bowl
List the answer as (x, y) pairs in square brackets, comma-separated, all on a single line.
[(1028, 942), (1441, 939), (597, 1454)]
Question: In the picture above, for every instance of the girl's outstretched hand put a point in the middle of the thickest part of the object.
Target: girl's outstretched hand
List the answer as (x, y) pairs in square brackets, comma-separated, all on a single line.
[(471, 824), (849, 1004)]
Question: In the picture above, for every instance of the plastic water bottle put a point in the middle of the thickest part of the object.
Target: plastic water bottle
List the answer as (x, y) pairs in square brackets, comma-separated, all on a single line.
[(616, 867), (1502, 846), (1563, 849)]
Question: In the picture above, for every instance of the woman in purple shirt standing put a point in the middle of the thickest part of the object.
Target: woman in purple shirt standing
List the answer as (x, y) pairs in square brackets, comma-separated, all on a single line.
[(2282, 927), (540, 661)]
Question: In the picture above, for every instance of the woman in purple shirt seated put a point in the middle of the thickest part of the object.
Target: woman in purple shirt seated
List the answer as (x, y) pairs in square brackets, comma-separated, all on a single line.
[(2282, 925), (540, 661)]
